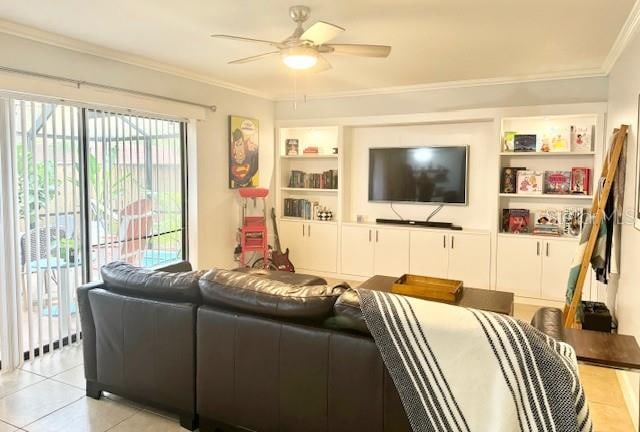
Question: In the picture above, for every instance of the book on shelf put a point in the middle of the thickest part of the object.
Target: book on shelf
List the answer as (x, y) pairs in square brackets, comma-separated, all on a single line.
[(325, 180), (507, 141), (557, 182), (524, 143), (555, 139), (573, 219), (530, 182), (548, 222), (509, 179), (581, 181), (515, 221), (292, 146), (581, 138), (300, 208)]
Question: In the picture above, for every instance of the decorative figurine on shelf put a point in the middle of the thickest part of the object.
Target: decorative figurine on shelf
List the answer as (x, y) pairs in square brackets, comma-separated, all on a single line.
[(324, 214)]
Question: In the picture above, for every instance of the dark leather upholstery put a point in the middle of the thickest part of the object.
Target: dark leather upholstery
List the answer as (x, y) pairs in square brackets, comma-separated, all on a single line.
[(146, 347), (129, 280), (347, 314), (262, 374), (249, 293), (549, 320), (248, 353), (284, 276)]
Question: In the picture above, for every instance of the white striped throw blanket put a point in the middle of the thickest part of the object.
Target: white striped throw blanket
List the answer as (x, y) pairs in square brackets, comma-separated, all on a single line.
[(459, 369)]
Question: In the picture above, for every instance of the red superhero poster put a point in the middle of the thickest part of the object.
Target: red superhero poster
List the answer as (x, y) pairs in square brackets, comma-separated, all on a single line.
[(244, 134)]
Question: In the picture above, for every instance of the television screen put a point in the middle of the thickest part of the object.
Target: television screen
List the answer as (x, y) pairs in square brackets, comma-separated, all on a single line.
[(418, 174)]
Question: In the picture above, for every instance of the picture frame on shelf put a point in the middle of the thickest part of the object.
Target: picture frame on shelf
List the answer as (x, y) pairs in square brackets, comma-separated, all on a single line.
[(292, 146)]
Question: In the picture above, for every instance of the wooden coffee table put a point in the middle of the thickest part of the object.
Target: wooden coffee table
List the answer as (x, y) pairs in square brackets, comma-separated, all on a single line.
[(492, 301)]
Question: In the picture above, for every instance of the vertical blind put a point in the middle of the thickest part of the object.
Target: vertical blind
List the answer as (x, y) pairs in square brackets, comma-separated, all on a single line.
[(88, 187)]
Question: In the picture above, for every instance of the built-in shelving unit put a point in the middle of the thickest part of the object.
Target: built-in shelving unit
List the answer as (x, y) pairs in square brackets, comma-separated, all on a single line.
[(547, 161)]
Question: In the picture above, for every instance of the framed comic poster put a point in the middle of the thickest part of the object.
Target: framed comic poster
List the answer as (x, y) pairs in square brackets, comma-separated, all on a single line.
[(244, 137)]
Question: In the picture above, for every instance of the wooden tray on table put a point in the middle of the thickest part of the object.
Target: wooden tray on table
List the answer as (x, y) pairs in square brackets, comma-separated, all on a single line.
[(429, 288)]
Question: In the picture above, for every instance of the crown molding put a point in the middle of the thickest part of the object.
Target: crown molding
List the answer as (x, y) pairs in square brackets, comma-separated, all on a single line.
[(627, 32), (585, 73), (48, 38)]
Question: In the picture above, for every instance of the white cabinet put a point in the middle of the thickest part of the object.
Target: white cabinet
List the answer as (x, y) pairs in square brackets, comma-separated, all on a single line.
[(462, 256), (535, 267), (519, 265), (357, 250), (429, 254), (556, 262), (312, 245), (470, 259), (368, 250), (391, 255)]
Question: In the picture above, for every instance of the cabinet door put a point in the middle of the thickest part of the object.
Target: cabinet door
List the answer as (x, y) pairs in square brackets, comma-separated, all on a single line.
[(321, 247), (556, 262), (470, 259), (519, 265), (357, 250), (391, 255), (291, 236), (428, 253)]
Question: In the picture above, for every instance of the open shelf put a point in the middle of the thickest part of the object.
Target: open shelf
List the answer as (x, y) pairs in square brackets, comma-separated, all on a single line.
[(289, 189), (311, 156), (547, 196), (547, 154), (539, 236), (299, 219)]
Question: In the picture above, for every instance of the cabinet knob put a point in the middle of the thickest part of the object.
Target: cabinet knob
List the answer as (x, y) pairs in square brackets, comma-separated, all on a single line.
[(376, 236), (452, 244), (538, 248), (309, 230), (547, 249), (302, 230), (444, 241), (369, 236)]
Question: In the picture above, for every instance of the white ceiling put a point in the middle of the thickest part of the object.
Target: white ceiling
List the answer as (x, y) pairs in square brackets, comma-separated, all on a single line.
[(433, 41)]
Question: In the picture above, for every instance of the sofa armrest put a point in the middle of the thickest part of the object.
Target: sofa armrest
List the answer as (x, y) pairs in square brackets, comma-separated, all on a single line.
[(88, 330), (549, 321)]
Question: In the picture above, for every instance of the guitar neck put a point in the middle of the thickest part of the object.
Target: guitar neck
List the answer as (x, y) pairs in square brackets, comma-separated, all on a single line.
[(275, 230)]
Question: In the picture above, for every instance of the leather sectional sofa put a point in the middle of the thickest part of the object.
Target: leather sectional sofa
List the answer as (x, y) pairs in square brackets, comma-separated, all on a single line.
[(235, 351)]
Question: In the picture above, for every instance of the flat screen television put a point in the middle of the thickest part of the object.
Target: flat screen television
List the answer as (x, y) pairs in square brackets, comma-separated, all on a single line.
[(435, 175)]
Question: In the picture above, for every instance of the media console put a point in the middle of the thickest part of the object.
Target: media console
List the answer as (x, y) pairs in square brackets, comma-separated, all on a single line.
[(426, 224)]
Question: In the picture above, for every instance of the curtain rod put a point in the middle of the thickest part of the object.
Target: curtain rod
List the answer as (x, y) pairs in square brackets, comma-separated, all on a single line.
[(79, 83)]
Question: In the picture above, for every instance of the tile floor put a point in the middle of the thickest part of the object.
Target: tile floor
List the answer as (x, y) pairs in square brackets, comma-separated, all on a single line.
[(47, 395)]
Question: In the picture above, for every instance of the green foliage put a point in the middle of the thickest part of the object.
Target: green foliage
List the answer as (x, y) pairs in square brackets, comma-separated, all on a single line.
[(42, 185)]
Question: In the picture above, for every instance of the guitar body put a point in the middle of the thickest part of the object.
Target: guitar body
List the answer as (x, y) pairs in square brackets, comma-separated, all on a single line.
[(278, 258), (281, 261)]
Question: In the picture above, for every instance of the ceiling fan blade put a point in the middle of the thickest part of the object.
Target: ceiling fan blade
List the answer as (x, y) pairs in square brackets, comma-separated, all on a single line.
[(321, 32), (253, 58), (244, 39), (361, 50), (321, 66)]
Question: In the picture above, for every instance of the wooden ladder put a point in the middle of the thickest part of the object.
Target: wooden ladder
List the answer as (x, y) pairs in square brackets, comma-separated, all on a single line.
[(609, 168)]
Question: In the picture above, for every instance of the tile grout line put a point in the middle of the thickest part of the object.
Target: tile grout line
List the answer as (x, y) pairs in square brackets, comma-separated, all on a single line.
[(54, 411)]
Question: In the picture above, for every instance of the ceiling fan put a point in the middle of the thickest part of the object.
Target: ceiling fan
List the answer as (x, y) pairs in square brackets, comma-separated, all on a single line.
[(303, 49)]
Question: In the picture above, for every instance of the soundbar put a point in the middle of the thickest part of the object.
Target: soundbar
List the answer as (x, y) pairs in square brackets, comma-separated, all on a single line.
[(444, 225)]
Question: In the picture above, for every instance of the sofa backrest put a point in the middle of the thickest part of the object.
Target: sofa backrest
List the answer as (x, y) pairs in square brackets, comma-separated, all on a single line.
[(258, 295), (126, 279), (265, 374)]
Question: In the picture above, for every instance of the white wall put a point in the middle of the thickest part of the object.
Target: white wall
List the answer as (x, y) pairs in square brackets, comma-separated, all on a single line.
[(564, 91), (214, 210), (479, 137), (624, 88)]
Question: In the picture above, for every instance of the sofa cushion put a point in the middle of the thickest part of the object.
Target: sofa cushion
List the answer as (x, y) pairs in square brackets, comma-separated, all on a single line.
[(284, 276), (126, 279), (347, 314), (262, 296)]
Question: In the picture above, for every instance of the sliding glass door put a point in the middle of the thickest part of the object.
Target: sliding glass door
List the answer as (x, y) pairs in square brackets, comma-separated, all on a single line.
[(88, 187)]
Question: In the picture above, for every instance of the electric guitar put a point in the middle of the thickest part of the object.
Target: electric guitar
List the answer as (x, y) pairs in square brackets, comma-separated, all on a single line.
[(280, 259)]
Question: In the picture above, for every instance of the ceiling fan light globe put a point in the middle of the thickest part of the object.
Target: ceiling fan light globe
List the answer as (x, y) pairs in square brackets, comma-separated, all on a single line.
[(300, 58)]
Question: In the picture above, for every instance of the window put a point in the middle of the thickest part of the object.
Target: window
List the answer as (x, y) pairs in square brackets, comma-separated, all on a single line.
[(89, 187)]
